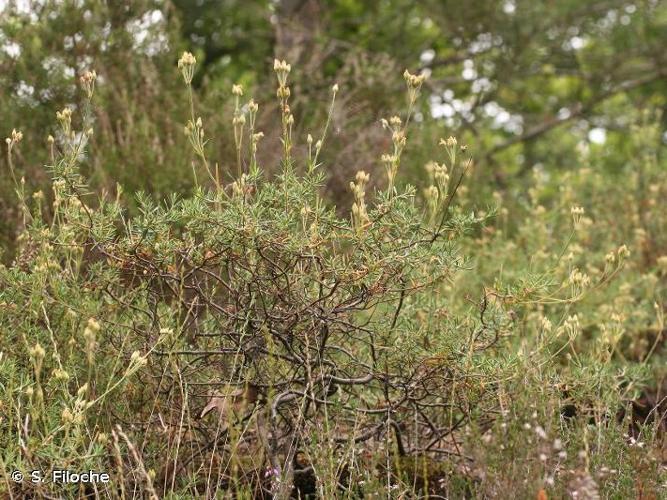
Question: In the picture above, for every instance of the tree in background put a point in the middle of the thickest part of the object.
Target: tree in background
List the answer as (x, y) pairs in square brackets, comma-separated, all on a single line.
[(526, 80), (509, 72)]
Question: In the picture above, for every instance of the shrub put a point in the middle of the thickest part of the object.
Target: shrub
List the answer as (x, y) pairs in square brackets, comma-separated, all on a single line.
[(248, 341)]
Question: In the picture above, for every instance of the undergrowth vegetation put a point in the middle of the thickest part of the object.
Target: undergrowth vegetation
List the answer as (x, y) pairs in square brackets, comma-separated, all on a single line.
[(250, 341)]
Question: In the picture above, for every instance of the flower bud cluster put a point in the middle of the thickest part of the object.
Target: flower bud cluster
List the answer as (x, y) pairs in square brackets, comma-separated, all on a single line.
[(15, 138), (187, 64), (90, 338), (359, 212), (414, 83), (88, 82), (577, 213)]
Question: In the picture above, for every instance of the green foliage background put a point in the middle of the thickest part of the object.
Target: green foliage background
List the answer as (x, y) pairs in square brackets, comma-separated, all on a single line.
[(551, 337)]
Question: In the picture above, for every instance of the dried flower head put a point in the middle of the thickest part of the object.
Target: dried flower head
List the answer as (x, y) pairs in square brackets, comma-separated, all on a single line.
[(414, 81), (282, 70), (17, 136), (358, 188), (450, 142), (82, 390), (93, 324), (88, 82), (571, 327), (388, 159), (67, 416), (398, 138), (578, 279), (60, 374), (283, 92), (65, 119), (187, 66), (577, 213), (187, 59), (37, 352), (281, 66)]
